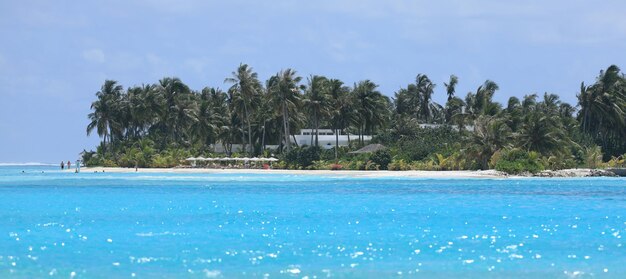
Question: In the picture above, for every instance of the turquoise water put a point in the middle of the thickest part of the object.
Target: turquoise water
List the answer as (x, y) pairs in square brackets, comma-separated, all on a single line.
[(105, 225)]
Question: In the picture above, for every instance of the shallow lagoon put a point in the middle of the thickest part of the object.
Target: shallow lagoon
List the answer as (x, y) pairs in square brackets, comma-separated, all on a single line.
[(103, 225)]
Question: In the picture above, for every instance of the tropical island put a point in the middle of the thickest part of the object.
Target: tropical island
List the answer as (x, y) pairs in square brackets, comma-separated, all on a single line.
[(163, 124)]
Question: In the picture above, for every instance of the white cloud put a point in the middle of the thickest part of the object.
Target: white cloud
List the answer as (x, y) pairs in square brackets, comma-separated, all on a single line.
[(94, 55)]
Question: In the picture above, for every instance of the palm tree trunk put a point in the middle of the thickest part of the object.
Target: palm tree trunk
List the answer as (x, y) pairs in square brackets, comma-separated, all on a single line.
[(286, 127), (104, 143), (263, 140), (294, 140), (316, 129), (361, 133), (245, 107), (312, 126), (336, 142), (281, 143)]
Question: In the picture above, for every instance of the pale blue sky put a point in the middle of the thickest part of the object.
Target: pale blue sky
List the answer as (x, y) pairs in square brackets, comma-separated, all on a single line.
[(54, 55)]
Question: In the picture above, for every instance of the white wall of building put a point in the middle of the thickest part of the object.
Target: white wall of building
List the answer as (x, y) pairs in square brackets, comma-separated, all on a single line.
[(326, 138)]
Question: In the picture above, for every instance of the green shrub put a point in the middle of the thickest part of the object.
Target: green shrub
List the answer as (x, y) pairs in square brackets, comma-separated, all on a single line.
[(399, 165), (516, 161), (302, 157), (592, 156), (559, 162), (356, 165), (370, 165), (382, 158), (426, 141)]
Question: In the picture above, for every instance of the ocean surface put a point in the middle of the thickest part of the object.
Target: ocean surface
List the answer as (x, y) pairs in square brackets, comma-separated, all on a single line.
[(106, 225)]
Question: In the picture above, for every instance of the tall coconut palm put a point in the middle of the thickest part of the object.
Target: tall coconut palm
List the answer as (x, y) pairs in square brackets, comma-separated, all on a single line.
[(316, 102), (483, 104), (284, 91), (178, 109), (454, 107), (140, 110), (425, 89), (371, 106), (105, 110), (602, 113), (602, 104), (204, 130), (451, 86), (340, 108), (245, 83)]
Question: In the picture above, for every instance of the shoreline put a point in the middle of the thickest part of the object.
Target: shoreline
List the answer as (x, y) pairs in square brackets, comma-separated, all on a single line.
[(359, 173)]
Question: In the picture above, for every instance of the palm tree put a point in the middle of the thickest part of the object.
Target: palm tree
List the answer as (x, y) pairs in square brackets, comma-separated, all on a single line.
[(451, 86), (204, 130), (340, 108), (315, 101), (602, 111), (247, 86), (425, 90), (284, 92), (372, 107), (140, 110), (104, 111), (482, 103), (454, 111), (601, 104), (541, 133), (490, 135), (179, 109)]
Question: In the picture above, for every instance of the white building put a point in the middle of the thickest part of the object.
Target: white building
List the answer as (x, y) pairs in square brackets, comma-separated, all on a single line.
[(326, 138)]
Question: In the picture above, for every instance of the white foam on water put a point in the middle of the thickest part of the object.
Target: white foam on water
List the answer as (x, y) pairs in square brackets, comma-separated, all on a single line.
[(574, 274), (151, 234), (293, 270)]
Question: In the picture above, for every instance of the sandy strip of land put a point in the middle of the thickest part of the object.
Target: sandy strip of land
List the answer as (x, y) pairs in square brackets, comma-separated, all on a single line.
[(413, 174)]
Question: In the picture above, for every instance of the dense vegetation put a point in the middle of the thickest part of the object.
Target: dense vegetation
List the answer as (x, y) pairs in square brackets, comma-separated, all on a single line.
[(158, 125)]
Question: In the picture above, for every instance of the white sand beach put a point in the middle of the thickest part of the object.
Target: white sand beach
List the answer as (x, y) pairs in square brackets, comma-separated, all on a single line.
[(417, 174), (412, 174)]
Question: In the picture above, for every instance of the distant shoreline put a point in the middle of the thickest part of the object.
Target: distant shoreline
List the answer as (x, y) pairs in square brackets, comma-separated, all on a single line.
[(350, 173)]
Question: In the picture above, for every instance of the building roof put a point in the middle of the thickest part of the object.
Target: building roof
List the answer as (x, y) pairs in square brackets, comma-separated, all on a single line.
[(370, 148)]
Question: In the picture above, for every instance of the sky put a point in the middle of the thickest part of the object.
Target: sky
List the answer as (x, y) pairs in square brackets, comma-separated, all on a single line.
[(55, 55)]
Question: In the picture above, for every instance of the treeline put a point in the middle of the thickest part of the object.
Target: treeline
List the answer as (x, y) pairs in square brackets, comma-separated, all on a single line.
[(158, 124)]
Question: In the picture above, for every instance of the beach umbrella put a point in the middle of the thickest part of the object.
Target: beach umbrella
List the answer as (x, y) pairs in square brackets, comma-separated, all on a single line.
[(210, 159), (245, 159), (191, 159), (272, 159), (255, 159), (201, 158), (224, 159)]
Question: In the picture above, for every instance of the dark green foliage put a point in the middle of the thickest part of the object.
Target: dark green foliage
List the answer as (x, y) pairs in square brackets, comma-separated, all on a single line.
[(516, 161), (425, 141), (602, 112), (302, 157), (382, 158)]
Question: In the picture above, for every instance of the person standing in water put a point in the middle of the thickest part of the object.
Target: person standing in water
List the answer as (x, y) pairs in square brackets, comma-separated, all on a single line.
[(62, 165), (68, 164)]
